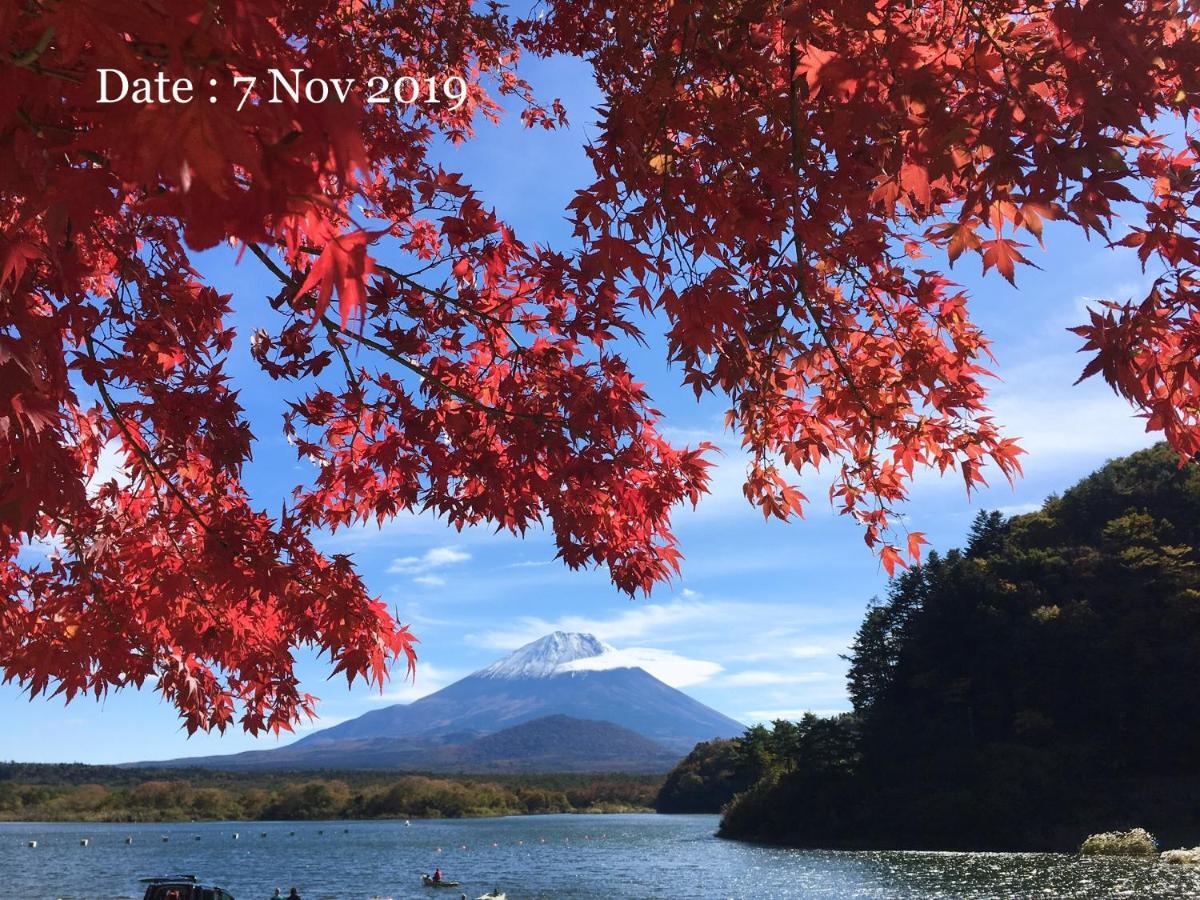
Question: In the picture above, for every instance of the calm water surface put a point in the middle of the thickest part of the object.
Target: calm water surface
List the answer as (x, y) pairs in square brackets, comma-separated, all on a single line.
[(634, 857)]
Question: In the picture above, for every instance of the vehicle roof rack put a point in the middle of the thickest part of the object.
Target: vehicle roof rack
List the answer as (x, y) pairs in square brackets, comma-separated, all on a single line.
[(154, 878)]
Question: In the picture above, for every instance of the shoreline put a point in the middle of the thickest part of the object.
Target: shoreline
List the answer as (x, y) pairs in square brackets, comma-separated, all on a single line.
[(590, 811)]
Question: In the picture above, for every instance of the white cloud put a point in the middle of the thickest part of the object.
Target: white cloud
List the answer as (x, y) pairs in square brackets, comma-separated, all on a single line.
[(1083, 422), (1064, 428), (413, 613), (1018, 509), (430, 581), (1079, 311), (761, 678), (406, 527), (44, 548), (725, 496), (1057, 420), (714, 635), (706, 636), (436, 558), (1061, 425), (443, 556), (429, 678), (783, 644), (675, 670), (651, 619), (110, 466)]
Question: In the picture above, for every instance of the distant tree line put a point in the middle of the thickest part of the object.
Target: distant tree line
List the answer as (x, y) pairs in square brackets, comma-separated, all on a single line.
[(93, 793), (1020, 693)]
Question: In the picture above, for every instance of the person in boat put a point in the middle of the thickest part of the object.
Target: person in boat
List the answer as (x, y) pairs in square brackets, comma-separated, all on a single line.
[(437, 876)]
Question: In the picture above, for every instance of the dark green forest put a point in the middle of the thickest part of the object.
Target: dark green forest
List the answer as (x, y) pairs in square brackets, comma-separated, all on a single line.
[(709, 777), (34, 792), (1019, 693)]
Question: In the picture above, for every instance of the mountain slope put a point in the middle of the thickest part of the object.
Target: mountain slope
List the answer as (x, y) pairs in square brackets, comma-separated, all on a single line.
[(561, 744), (560, 675), (548, 744), (632, 698), (540, 679)]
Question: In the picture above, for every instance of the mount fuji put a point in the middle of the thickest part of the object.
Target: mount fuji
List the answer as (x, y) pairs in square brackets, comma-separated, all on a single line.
[(574, 702)]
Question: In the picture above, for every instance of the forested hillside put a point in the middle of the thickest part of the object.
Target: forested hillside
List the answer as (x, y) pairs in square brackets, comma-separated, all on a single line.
[(709, 777), (1021, 692)]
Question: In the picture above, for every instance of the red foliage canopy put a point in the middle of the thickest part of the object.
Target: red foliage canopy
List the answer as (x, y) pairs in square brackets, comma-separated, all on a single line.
[(768, 176)]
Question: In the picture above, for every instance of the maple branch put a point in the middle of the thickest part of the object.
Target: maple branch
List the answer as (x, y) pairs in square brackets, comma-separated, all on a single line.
[(801, 265), (31, 55), (351, 378), (450, 299), (428, 375), (142, 453), (353, 381), (434, 292), (406, 362), (197, 591), (272, 265), (801, 294), (1005, 58), (29, 59)]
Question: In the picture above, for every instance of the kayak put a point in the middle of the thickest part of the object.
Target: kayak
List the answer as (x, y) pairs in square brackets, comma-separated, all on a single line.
[(429, 882)]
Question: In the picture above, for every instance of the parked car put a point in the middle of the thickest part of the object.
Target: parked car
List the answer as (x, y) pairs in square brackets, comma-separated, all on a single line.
[(182, 887)]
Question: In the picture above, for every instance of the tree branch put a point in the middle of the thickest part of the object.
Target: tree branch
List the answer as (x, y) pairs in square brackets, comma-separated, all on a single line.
[(408, 363), (142, 453)]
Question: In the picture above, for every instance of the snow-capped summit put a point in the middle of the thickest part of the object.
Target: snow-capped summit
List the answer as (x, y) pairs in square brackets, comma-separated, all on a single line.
[(549, 655)]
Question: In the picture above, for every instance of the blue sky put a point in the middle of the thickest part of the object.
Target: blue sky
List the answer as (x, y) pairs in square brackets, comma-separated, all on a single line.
[(755, 625)]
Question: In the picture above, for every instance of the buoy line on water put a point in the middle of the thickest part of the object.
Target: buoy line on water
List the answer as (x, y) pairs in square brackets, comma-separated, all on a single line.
[(464, 848)]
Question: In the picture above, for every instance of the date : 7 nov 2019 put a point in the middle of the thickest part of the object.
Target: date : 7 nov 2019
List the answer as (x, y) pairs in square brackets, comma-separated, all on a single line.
[(282, 86)]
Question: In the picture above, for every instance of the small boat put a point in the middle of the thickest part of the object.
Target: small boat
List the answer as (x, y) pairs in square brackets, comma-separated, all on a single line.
[(429, 882), (493, 895)]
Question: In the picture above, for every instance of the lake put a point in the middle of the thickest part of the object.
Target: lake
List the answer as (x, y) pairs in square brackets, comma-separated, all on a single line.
[(569, 856)]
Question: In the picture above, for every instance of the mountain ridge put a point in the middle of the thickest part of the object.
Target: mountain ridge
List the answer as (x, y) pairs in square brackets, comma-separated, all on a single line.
[(550, 744), (532, 683)]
